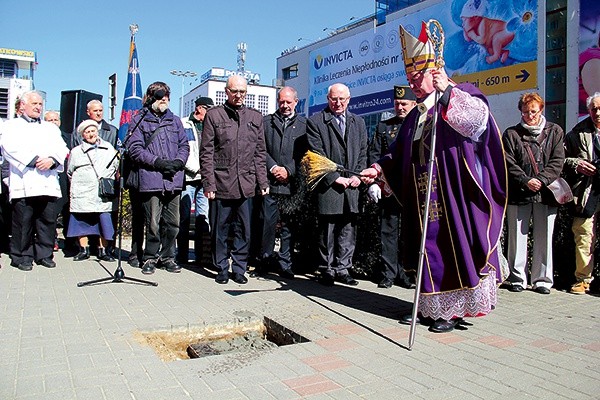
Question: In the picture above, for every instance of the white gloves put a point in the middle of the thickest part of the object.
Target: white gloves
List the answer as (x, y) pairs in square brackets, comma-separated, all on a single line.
[(374, 193)]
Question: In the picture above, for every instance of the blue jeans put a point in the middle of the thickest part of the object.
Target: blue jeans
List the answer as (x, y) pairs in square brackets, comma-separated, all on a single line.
[(191, 195)]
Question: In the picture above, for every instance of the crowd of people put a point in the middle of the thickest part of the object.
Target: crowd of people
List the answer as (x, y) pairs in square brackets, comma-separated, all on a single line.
[(239, 168)]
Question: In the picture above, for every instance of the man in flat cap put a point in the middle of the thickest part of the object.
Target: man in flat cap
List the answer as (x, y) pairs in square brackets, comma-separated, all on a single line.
[(392, 270), (192, 193)]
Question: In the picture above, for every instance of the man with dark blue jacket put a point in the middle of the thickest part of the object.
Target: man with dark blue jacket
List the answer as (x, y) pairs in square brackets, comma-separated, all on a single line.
[(159, 146)]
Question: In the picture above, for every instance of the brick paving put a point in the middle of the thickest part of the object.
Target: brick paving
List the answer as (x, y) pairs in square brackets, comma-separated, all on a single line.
[(60, 341)]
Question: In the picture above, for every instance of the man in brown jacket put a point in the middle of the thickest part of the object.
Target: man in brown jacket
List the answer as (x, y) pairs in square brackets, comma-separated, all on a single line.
[(233, 164)]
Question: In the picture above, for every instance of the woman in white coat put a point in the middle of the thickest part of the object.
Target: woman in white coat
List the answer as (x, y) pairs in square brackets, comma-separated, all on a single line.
[(93, 159)]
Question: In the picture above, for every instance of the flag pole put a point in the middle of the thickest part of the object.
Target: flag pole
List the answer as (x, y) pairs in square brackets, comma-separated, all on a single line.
[(435, 33)]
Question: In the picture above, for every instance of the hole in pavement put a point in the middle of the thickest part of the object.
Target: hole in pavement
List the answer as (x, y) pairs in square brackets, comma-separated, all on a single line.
[(247, 334)]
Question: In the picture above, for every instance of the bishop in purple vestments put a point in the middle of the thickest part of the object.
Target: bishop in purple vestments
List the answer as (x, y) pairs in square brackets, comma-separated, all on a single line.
[(461, 268)]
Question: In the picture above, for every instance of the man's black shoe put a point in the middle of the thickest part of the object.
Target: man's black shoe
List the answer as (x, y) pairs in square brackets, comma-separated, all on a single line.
[(24, 266), (134, 262), (443, 326), (326, 279), (222, 277), (239, 278), (170, 265), (346, 279), (149, 267), (406, 319), (46, 262), (256, 272), (542, 290), (287, 273), (386, 283), (405, 283), (515, 288)]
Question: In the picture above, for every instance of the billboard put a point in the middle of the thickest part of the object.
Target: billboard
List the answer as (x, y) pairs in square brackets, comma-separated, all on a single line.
[(490, 43), (589, 52)]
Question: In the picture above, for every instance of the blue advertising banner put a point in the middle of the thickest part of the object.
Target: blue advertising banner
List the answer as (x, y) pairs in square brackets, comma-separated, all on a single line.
[(491, 43)]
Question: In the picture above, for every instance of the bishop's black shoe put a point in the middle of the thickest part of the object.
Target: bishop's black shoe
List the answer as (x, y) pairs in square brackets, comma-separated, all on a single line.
[(443, 326)]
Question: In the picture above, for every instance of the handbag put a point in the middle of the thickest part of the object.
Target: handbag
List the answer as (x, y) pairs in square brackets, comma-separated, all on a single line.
[(559, 188), (106, 186)]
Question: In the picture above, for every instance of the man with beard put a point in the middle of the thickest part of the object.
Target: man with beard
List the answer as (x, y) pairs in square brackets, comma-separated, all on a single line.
[(159, 146), (386, 132)]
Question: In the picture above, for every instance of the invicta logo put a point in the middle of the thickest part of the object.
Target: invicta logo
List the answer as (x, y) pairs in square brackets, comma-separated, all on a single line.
[(332, 59)]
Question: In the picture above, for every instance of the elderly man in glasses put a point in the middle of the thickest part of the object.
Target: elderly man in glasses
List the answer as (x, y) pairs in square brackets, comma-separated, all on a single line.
[(341, 136), (233, 165)]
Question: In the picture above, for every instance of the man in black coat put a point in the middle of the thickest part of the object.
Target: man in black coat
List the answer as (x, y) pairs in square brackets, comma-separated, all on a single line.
[(390, 266), (341, 136), (285, 137)]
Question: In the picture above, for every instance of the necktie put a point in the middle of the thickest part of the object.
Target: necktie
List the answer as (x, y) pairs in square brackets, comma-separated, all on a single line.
[(342, 123)]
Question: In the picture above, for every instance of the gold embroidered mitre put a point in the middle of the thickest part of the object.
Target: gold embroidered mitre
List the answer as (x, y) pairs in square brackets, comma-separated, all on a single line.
[(417, 52)]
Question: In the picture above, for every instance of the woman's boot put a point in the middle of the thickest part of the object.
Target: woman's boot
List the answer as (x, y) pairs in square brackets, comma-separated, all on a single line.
[(84, 254), (104, 256)]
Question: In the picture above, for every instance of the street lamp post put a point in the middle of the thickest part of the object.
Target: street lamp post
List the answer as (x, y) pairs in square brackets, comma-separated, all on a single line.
[(183, 75)]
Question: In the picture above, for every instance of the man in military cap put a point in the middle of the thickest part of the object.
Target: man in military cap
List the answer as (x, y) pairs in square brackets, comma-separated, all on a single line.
[(390, 266)]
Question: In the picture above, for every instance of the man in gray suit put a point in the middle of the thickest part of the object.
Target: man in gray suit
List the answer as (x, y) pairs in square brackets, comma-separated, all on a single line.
[(341, 136)]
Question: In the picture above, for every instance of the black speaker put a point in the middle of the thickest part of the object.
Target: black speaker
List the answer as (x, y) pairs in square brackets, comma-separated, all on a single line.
[(73, 108)]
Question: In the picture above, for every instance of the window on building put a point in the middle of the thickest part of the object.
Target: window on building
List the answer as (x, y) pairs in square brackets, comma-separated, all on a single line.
[(8, 69), (220, 97), (4, 106), (290, 72), (263, 104), (556, 70), (385, 7), (250, 100)]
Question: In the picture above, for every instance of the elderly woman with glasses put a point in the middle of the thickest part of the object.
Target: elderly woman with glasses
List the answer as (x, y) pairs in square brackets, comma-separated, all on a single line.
[(534, 157)]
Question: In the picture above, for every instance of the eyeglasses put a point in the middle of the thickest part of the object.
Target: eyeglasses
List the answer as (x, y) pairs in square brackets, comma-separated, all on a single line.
[(237, 91), (340, 99), (532, 113)]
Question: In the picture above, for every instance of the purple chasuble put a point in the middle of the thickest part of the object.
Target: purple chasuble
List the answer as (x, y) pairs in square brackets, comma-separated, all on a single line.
[(461, 268)]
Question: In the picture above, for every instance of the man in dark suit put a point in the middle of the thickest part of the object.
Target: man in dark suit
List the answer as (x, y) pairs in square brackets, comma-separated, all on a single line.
[(341, 136), (233, 166), (285, 137), (390, 266)]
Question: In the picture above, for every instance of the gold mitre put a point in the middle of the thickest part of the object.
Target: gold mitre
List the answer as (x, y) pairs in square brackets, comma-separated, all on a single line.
[(418, 53)]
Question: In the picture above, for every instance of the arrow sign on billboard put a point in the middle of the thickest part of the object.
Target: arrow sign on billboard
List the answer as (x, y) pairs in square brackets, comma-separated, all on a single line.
[(523, 75)]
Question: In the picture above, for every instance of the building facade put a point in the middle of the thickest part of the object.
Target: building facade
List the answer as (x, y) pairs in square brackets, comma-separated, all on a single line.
[(522, 46), (16, 78), (212, 84)]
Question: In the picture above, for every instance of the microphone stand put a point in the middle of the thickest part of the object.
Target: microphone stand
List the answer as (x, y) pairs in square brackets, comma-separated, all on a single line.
[(119, 274)]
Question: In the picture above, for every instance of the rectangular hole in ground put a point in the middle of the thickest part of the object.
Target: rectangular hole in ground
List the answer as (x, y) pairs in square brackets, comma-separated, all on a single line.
[(252, 334)]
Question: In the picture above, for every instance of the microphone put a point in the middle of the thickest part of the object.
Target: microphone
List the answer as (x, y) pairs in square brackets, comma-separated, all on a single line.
[(158, 95)]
